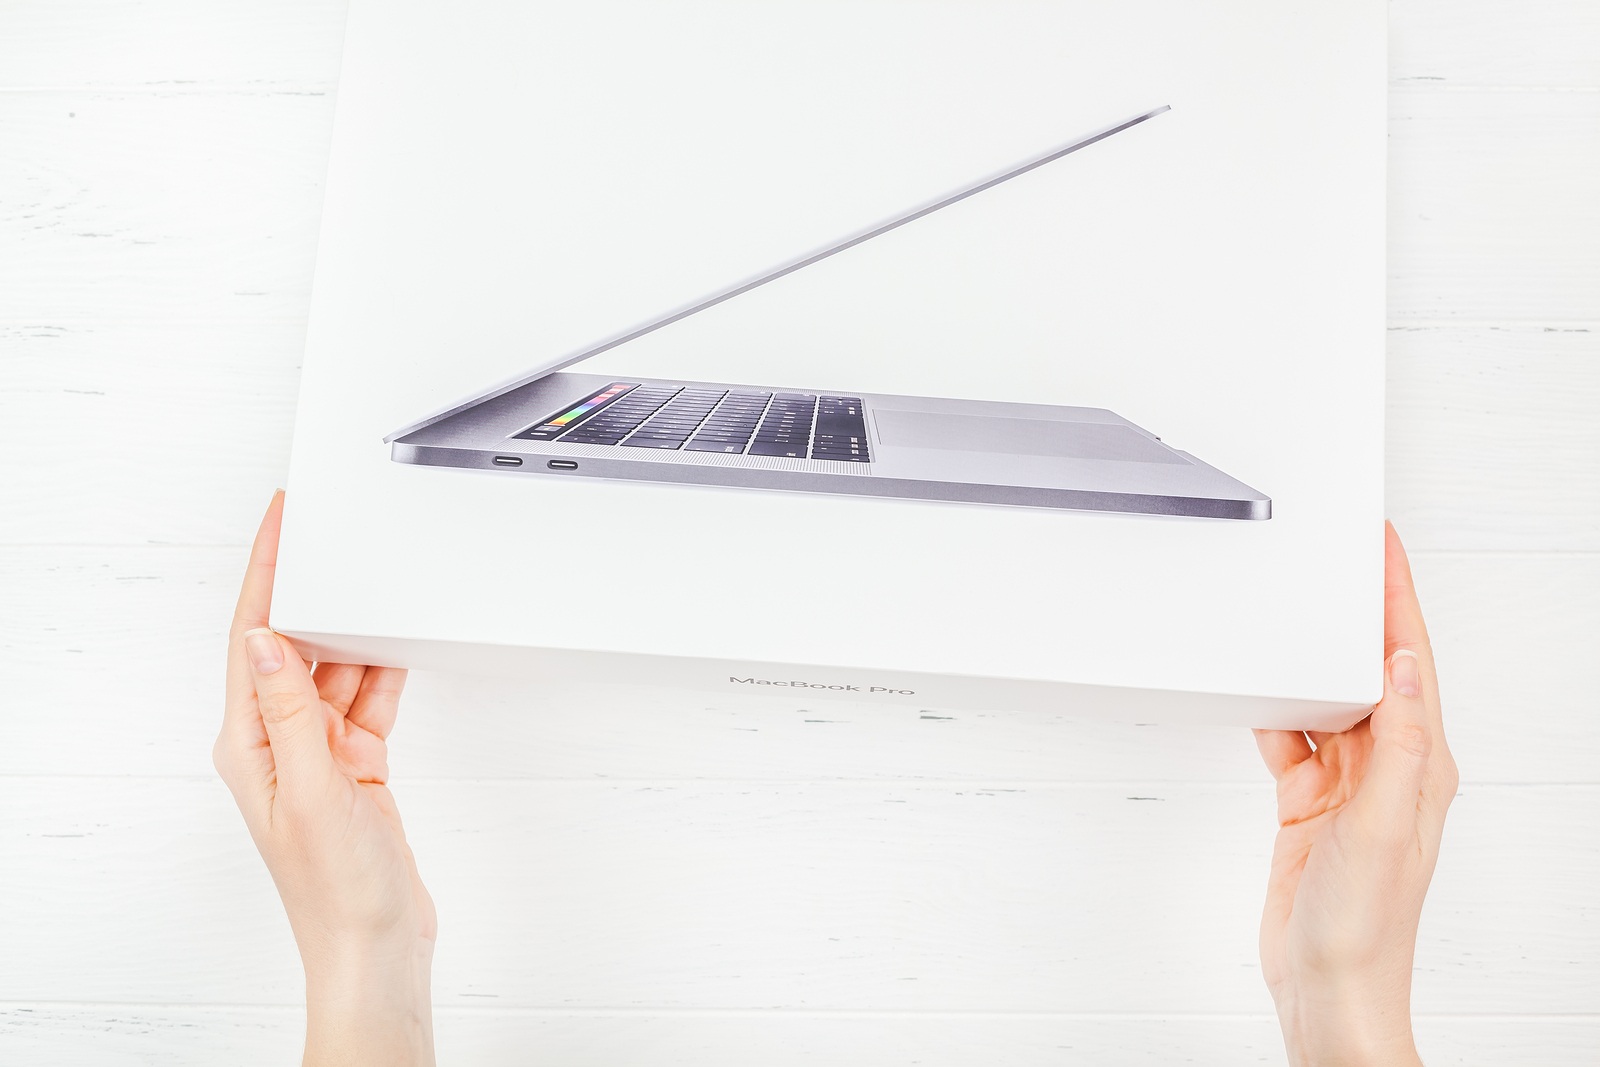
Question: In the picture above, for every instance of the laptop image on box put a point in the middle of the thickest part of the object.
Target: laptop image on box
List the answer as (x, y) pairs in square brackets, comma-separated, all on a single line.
[(825, 440)]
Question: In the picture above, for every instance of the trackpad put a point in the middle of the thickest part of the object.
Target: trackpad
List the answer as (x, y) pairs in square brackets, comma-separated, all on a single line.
[(1018, 437)]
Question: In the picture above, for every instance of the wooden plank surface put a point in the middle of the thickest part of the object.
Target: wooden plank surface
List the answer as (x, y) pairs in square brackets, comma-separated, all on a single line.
[(159, 207), (124, 1035), (1491, 211), (1493, 434), (870, 896), (1449, 44)]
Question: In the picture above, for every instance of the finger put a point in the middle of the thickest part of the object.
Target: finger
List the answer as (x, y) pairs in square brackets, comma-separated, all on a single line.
[(361, 757), (291, 711), (1320, 737), (255, 600), (1403, 626), (242, 753), (338, 683), (255, 595), (378, 702), (1282, 749), (1386, 802)]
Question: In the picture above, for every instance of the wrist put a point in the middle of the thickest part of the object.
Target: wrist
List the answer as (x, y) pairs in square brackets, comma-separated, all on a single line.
[(1350, 1026), (370, 1006)]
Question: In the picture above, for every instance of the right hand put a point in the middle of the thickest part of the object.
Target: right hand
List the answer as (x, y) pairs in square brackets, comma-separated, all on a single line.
[(1360, 822)]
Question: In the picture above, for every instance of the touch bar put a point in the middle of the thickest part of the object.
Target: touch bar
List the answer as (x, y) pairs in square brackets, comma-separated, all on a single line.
[(552, 427)]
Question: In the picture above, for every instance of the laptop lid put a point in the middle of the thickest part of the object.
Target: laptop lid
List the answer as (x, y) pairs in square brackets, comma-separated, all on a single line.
[(773, 273)]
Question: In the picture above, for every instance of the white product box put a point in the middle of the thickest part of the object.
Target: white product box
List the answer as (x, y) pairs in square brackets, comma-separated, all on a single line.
[(1107, 435)]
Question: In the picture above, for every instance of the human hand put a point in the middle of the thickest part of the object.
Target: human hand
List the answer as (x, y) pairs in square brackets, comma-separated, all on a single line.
[(1360, 820), (304, 754)]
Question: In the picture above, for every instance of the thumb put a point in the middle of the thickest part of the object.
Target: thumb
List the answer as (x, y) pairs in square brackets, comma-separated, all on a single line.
[(291, 708), (1385, 805)]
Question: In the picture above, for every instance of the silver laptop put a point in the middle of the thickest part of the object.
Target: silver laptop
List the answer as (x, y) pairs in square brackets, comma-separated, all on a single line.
[(825, 440)]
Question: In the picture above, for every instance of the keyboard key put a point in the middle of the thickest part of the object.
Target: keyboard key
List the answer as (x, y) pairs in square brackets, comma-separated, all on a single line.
[(702, 445), (652, 443), (761, 448)]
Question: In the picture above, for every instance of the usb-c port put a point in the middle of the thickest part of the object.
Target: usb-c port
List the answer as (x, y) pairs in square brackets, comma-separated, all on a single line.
[(508, 461), (562, 465)]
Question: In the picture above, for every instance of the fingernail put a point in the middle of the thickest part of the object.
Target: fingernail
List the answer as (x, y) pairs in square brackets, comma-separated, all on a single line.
[(262, 648), (1404, 674)]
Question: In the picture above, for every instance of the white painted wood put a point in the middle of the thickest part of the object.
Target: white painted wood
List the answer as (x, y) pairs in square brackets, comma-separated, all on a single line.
[(1494, 437), (159, 190), (947, 897), (155, 207), (123, 1035), (181, 430), (1538, 43), (176, 433), (171, 45), (1514, 637), (1492, 212)]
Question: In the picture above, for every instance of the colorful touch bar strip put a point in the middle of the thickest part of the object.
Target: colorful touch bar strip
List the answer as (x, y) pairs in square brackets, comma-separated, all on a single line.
[(552, 427)]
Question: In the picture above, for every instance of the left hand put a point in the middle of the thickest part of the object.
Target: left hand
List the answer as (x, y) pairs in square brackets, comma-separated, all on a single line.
[(304, 753)]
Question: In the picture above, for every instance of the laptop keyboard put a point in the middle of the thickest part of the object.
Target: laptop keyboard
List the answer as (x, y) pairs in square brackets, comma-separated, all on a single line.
[(707, 419)]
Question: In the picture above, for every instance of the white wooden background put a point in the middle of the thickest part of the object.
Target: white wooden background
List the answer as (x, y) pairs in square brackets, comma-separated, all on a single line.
[(626, 878)]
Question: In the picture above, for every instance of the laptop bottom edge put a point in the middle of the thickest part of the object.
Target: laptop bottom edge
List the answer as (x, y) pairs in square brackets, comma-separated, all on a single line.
[(853, 484)]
